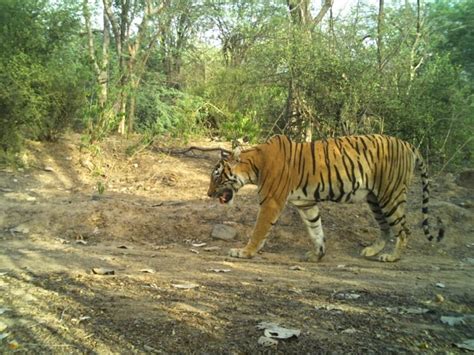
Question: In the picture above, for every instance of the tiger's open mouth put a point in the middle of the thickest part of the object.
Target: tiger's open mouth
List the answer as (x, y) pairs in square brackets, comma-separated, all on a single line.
[(226, 195)]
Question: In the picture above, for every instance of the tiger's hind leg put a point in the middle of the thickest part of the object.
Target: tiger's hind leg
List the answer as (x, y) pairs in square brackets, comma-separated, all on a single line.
[(379, 244), (395, 215), (312, 220)]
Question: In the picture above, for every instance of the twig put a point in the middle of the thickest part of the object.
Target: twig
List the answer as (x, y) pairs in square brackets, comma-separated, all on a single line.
[(184, 151), (454, 154)]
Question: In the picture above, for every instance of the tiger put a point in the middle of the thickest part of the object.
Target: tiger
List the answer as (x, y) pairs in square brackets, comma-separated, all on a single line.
[(374, 168)]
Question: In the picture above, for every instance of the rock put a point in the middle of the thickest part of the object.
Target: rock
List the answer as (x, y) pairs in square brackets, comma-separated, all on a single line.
[(466, 179), (23, 229), (346, 296), (296, 267), (223, 232), (185, 286), (211, 248)]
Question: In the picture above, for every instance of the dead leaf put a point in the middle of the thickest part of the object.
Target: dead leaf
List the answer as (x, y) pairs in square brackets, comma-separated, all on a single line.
[(13, 345), (273, 330), (103, 271), (148, 271), (194, 251), (198, 245), (219, 270), (452, 321)]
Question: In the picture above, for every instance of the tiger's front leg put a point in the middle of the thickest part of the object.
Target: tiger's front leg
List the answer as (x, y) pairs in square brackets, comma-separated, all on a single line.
[(312, 220), (267, 216)]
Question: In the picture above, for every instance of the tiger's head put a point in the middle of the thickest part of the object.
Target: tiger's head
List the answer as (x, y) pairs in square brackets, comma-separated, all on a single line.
[(226, 177)]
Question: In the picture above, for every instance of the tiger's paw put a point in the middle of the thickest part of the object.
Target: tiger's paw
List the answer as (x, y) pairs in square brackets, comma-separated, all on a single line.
[(388, 258), (373, 249), (312, 256), (240, 253)]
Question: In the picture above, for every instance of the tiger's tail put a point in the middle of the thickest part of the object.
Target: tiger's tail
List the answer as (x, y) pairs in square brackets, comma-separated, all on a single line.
[(426, 196)]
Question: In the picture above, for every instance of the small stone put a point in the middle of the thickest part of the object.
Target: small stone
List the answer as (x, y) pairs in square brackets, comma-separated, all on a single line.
[(296, 268), (223, 232), (211, 248), (20, 229)]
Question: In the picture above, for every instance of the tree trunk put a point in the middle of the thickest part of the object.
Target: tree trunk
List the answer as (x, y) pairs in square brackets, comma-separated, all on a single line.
[(380, 19), (302, 21)]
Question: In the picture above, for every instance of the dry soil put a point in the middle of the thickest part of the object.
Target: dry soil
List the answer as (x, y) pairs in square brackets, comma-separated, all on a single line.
[(168, 294)]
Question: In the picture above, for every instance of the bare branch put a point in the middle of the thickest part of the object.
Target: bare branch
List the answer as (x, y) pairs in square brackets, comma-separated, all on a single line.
[(172, 151), (113, 23), (90, 37), (324, 9)]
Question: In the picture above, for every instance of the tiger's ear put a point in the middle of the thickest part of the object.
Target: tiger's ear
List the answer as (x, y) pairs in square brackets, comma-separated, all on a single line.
[(236, 154)]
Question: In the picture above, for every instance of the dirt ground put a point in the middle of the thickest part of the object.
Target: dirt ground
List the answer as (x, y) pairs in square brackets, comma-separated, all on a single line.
[(166, 295)]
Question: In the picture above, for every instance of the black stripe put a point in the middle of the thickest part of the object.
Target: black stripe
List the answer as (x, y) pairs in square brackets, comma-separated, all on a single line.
[(395, 222), (341, 185), (315, 219), (394, 208), (317, 197)]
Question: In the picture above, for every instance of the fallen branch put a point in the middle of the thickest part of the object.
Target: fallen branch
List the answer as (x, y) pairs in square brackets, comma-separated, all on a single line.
[(187, 150)]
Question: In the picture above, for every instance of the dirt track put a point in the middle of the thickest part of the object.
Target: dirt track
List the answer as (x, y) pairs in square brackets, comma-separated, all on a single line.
[(55, 227)]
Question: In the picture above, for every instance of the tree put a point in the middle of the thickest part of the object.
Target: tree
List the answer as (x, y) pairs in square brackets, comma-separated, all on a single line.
[(133, 27), (42, 76)]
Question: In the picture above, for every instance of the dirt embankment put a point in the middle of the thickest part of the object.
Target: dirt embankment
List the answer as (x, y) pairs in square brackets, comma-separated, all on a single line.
[(169, 294)]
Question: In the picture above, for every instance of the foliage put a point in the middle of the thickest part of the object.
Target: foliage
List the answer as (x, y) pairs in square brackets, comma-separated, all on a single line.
[(169, 111), (239, 68), (40, 93)]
